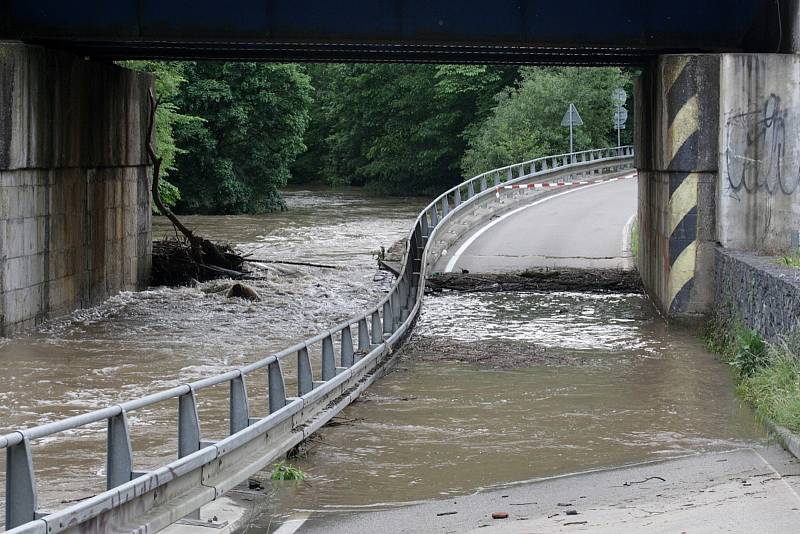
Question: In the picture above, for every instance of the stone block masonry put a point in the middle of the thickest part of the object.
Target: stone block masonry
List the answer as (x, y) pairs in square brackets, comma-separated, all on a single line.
[(754, 289), (74, 184)]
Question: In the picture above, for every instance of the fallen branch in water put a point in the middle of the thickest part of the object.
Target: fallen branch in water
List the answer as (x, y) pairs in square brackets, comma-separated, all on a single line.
[(286, 262), (177, 262)]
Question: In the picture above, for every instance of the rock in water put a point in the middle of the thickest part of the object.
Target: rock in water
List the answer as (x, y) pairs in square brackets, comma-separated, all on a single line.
[(243, 291)]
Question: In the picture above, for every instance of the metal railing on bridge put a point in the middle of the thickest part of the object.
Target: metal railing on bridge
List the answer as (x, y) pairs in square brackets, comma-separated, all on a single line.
[(326, 379)]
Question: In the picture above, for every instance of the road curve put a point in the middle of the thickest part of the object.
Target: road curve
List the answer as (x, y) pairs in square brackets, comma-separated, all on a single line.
[(584, 227)]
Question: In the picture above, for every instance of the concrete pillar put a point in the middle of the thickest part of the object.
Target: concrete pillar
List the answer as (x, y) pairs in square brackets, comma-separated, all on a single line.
[(74, 183), (676, 154), (758, 198)]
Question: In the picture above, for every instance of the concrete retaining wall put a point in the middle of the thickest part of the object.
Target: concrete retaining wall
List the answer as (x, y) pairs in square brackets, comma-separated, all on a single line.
[(74, 184), (757, 291), (759, 186)]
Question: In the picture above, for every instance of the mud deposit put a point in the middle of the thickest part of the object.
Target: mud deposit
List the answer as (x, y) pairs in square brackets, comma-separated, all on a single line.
[(563, 279)]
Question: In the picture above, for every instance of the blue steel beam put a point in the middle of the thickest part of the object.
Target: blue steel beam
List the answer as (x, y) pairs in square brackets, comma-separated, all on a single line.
[(433, 30)]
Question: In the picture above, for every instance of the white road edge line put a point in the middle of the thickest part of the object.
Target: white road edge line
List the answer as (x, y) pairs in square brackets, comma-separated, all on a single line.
[(627, 243), (292, 525), (766, 462), (454, 259)]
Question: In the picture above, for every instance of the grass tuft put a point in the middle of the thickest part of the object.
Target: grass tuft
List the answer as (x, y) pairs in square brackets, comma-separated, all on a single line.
[(789, 260), (283, 471)]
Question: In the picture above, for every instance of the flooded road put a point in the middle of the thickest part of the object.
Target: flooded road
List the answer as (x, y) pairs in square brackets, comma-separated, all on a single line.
[(609, 384), (589, 381)]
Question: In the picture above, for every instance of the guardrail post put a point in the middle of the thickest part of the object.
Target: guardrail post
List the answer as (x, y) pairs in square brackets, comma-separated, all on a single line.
[(328, 359), (20, 485), (470, 189), (495, 179), (423, 225), (434, 217), (509, 175), (388, 326), (239, 405), (363, 335), (457, 198), (119, 453), (544, 165), (445, 206), (188, 431), (377, 328), (347, 347), (277, 387), (305, 376), (188, 424), (483, 183)]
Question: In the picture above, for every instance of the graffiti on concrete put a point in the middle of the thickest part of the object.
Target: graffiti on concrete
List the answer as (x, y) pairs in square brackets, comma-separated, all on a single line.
[(755, 151)]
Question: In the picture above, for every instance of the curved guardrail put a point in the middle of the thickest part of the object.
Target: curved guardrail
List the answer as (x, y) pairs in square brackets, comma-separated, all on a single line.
[(205, 470)]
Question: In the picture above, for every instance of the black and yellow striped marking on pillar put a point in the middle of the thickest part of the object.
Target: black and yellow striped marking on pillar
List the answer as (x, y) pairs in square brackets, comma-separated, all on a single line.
[(681, 149)]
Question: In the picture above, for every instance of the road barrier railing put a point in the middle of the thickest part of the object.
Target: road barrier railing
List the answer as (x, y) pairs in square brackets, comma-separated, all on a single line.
[(332, 369)]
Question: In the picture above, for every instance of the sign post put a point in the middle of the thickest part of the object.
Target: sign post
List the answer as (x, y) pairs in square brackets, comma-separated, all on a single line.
[(619, 97), (571, 118)]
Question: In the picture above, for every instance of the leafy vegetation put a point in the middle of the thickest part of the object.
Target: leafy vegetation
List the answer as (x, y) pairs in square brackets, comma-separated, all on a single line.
[(232, 134), (254, 117), (168, 79), (768, 375), (526, 122), (283, 471), (789, 260), (398, 129)]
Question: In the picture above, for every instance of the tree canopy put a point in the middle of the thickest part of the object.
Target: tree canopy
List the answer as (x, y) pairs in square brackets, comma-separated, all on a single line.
[(254, 116), (232, 134), (526, 121)]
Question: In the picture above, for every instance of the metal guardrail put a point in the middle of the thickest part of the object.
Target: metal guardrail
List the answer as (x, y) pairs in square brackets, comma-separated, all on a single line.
[(205, 470)]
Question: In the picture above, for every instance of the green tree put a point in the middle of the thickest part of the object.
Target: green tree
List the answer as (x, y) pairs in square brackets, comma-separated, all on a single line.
[(526, 121), (168, 78), (396, 128), (254, 117)]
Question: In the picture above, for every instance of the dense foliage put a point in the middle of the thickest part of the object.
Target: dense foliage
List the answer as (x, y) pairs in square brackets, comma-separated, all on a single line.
[(232, 134), (398, 129), (526, 122), (254, 118), (168, 78)]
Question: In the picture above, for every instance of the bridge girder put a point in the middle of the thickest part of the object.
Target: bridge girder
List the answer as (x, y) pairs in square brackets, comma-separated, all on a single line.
[(464, 31)]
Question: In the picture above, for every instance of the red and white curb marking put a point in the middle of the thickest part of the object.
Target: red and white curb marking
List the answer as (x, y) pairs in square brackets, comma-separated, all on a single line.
[(543, 185)]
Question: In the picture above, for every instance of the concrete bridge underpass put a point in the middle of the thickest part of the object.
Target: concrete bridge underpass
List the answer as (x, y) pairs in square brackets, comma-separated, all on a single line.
[(329, 371), (716, 107)]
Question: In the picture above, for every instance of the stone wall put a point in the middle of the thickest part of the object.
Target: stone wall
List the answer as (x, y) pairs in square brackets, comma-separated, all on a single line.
[(757, 291), (74, 184)]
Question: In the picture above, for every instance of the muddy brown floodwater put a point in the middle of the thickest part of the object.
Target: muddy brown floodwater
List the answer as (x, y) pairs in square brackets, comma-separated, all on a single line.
[(494, 388), (491, 388)]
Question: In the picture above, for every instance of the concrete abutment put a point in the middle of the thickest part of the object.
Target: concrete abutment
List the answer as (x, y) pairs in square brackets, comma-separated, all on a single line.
[(74, 183), (719, 164)]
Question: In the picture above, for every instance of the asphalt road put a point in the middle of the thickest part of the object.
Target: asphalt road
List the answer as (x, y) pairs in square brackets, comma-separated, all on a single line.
[(584, 227)]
